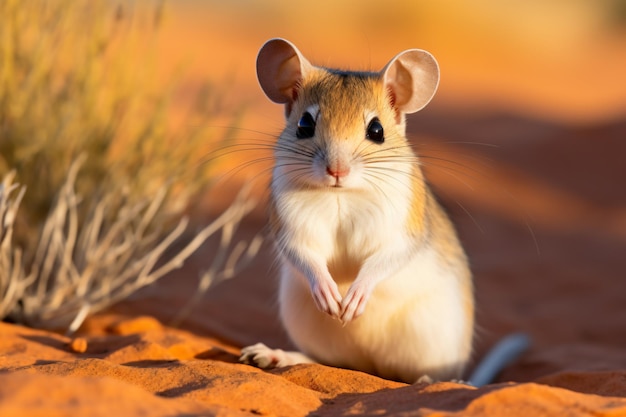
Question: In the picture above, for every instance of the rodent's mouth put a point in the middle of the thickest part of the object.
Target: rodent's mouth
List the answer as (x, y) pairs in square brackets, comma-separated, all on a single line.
[(336, 183)]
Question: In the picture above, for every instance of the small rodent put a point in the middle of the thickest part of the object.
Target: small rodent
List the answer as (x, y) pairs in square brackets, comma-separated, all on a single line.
[(372, 274)]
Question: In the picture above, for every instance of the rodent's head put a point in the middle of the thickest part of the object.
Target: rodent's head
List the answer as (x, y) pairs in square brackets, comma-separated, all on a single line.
[(344, 129)]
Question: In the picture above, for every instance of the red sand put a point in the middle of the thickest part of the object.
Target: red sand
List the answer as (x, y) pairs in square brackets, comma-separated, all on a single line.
[(543, 219)]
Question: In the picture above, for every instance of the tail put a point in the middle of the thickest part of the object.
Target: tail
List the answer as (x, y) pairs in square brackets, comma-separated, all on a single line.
[(502, 354)]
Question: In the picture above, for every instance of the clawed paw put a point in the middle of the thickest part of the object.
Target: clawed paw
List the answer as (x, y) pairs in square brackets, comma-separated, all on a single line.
[(353, 304), (327, 298), (261, 356), (425, 379), (265, 358)]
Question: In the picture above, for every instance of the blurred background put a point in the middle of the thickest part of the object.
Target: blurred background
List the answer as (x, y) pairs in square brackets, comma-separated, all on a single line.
[(556, 60)]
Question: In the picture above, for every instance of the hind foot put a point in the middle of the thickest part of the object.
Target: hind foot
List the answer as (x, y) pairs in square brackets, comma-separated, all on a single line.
[(425, 379), (265, 358)]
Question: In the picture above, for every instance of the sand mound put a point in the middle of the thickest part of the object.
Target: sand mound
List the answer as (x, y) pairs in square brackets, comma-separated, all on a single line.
[(148, 373)]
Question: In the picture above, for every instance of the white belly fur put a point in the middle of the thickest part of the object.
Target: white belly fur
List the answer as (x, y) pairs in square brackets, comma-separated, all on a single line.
[(413, 324)]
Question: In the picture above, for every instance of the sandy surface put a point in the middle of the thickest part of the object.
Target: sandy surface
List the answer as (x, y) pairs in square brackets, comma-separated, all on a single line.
[(539, 201)]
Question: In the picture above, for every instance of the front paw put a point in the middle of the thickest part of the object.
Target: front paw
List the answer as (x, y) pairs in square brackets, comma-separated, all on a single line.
[(327, 297), (353, 304)]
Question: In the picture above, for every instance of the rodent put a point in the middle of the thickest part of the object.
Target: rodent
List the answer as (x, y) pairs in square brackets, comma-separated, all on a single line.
[(372, 274)]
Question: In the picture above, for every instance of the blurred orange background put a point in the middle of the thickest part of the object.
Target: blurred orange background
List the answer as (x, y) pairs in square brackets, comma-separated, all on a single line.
[(561, 60)]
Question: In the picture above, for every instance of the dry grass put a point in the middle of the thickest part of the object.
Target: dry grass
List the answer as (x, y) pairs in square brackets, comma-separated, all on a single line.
[(84, 128), (80, 267), (12, 287), (80, 78)]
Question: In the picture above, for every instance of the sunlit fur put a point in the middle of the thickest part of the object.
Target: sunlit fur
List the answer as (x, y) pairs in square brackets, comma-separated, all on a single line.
[(419, 318)]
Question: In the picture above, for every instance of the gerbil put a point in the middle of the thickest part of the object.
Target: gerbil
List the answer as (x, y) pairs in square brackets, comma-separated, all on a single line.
[(372, 274)]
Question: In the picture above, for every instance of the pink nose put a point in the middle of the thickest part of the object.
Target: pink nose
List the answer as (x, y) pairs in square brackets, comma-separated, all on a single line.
[(338, 172)]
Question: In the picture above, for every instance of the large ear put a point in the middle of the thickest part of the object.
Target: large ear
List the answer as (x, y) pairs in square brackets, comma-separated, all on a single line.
[(411, 78), (280, 68)]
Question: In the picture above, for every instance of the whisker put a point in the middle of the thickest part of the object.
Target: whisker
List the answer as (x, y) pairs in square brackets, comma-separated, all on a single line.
[(226, 150), (482, 231), (532, 234), (381, 173), (231, 172), (487, 145), (500, 190), (386, 159), (244, 129), (379, 189), (294, 174), (452, 172), (453, 162), (480, 159), (381, 176), (393, 148)]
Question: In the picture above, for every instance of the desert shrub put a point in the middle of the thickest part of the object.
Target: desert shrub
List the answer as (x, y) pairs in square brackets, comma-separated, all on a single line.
[(82, 264), (84, 128)]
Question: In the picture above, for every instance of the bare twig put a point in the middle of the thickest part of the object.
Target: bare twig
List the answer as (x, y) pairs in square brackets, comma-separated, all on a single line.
[(80, 267), (12, 281), (228, 259)]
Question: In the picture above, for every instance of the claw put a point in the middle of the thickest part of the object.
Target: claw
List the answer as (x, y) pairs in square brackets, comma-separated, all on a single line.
[(353, 305), (327, 298)]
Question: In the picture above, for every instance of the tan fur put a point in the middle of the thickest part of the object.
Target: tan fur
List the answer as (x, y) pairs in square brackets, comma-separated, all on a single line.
[(444, 238), (417, 218)]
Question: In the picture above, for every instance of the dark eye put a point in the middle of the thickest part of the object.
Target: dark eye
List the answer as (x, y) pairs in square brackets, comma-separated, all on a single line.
[(375, 131), (306, 126)]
